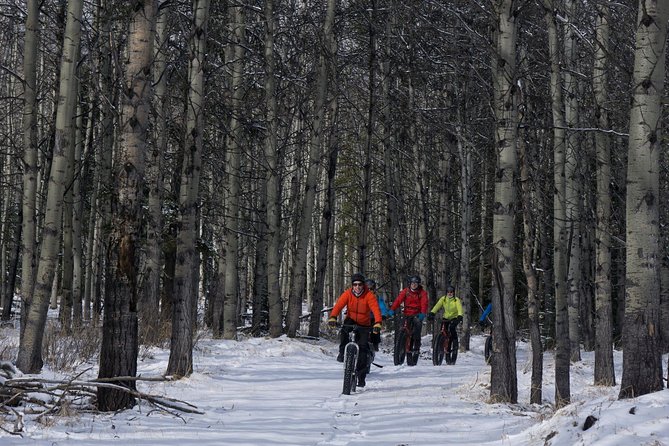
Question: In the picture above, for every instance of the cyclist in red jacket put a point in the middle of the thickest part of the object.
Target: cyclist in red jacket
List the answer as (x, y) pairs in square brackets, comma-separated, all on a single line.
[(414, 298)]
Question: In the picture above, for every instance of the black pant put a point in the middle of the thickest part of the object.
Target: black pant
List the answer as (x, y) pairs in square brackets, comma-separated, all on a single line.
[(362, 341), (416, 328)]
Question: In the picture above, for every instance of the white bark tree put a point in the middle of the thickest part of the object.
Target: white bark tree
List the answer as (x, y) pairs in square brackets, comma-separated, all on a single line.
[(562, 347), (185, 292), (29, 358), (642, 356), (504, 385)]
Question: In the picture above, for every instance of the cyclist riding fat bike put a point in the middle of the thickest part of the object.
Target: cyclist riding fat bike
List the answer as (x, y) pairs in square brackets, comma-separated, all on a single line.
[(452, 311), (359, 302), (415, 299)]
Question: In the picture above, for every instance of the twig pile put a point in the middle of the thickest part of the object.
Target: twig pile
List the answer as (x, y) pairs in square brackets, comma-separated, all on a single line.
[(42, 397)]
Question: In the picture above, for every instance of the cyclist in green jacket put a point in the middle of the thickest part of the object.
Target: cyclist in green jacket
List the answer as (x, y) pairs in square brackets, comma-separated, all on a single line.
[(452, 311)]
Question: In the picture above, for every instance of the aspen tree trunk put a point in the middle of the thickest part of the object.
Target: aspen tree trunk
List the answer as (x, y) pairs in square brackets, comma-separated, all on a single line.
[(150, 300), (365, 211), (77, 208), (325, 236), (389, 168), (298, 279), (562, 347), (466, 167), (604, 367), (66, 303), (642, 358), (483, 268), (181, 343), (28, 221), (87, 267), (234, 145), (118, 356), (273, 181), (504, 386), (259, 320), (529, 261), (572, 189), (444, 216), (29, 358)]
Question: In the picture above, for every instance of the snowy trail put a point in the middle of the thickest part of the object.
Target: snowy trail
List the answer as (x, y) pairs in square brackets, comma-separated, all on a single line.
[(288, 392)]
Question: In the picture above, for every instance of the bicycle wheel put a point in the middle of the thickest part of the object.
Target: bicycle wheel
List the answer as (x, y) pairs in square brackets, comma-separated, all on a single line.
[(400, 348), (487, 351), (438, 350), (452, 354), (349, 370), (412, 352)]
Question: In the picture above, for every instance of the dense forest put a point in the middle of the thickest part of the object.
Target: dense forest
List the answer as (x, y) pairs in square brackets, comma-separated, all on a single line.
[(168, 166)]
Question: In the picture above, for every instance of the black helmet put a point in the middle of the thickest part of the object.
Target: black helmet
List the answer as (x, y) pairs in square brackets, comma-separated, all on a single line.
[(450, 289), (357, 277), (371, 284), (415, 278)]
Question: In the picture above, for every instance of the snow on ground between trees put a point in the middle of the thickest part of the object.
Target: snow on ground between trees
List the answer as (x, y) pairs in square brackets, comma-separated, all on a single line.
[(285, 391)]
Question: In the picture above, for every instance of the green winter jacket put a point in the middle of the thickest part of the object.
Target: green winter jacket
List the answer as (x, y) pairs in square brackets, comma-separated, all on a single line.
[(452, 307)]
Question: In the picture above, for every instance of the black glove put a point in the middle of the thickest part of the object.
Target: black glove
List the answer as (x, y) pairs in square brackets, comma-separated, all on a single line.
[(483, 325), (383, 318), (430, 316), (458, 320)]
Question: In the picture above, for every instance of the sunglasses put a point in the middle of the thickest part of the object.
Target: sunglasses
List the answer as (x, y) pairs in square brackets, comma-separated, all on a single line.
[(358, 284)]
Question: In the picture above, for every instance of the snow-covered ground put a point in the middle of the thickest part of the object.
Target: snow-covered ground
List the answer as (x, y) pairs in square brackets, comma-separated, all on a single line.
[(285, 391)]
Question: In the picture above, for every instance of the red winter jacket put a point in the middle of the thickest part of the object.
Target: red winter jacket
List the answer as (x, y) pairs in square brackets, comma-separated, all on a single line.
[(414, 301), (358, 308)]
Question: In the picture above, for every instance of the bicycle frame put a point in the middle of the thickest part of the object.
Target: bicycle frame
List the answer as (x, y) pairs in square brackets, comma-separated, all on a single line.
[(351, 353), (442, 346), (404, 343), (446, 334)]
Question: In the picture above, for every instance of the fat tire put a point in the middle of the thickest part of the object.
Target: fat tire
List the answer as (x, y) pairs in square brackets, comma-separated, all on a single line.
[(452, 354), (438, 350), (487, 350), (400, 348), (412, 355), (349, 371)]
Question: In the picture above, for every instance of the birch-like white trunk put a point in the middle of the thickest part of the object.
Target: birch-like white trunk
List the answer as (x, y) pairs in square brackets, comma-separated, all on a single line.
[(642, 357), (572, 187), (503, 382), (120, 344), (466, 180), (29, 239), (185, 292), (29, 358), (149, 303), (562, 347)]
